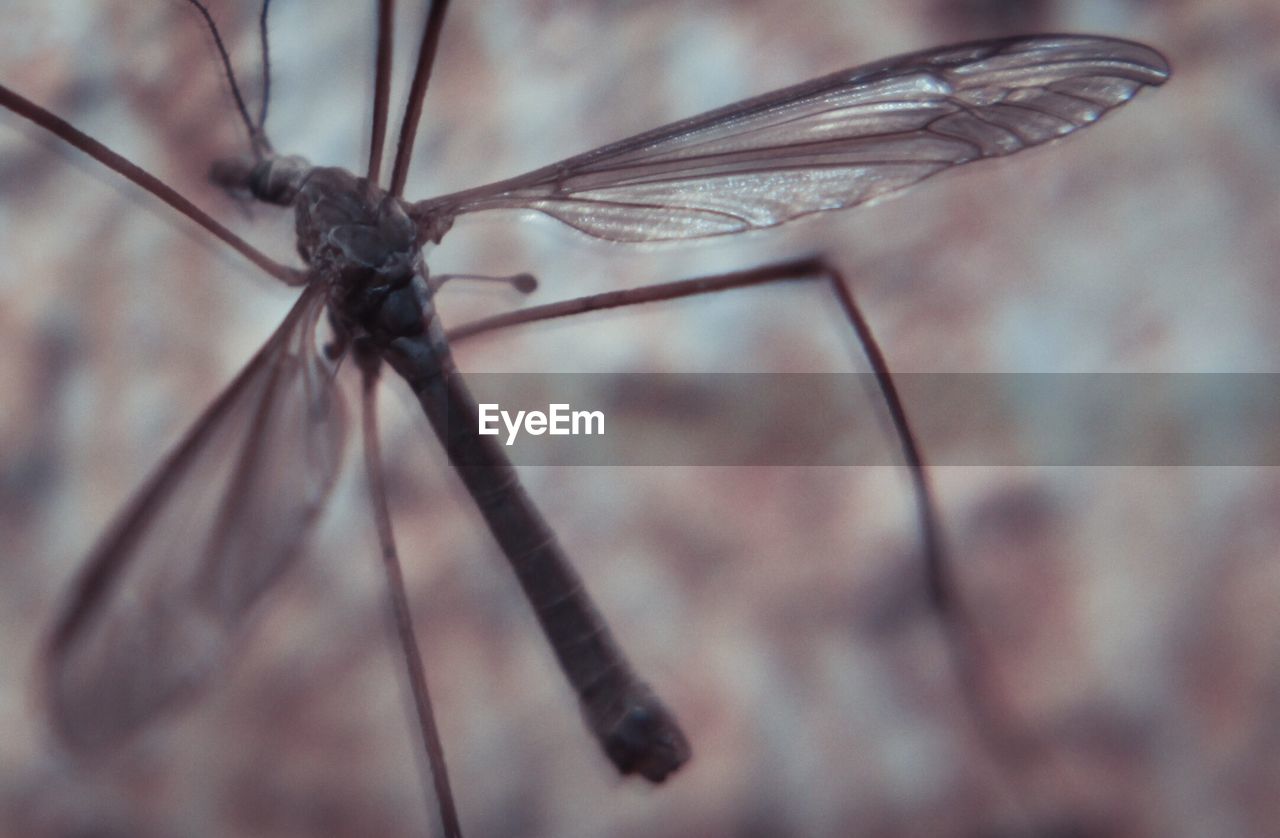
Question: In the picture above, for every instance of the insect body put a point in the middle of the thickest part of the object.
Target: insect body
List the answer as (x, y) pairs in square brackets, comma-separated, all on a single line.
[(161, 599)]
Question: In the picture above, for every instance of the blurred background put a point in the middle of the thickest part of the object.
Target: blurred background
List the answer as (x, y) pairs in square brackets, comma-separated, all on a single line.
[(1129, 613)]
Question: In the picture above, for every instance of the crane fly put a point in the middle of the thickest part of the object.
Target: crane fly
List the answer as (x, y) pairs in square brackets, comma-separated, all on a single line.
[(166, 591)]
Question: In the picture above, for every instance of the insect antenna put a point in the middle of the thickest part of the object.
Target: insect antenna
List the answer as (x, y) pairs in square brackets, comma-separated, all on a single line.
[(265, 44), (417, 92), (257, 138)]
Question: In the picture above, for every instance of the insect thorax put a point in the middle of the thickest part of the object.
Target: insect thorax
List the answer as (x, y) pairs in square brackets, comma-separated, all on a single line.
[(354, 237), (346, 223), (358, 238)]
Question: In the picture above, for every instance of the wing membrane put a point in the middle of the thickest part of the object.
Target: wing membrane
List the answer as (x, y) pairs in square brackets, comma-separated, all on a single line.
[(831, 143), (166, 591)]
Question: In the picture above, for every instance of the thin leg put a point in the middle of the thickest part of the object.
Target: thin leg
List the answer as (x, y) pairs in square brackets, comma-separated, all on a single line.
[(400, 612), (417, 92), (940, 585), (64, 130), (381, 87), (968, 656), (790, 271)]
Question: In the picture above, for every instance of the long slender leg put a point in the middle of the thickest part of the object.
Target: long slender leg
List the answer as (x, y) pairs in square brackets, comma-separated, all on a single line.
[(381, 88), (794, 270), (937, 573), (64, 130), (417, 92), (970, 662), (399, 601)]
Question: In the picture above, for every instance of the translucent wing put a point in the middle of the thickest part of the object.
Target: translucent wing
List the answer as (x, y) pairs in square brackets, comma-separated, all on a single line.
[(827, 144), (164, 594)]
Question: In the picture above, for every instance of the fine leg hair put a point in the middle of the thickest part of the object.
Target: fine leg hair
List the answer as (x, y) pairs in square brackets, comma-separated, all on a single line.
[(968, 657), (398, 600)]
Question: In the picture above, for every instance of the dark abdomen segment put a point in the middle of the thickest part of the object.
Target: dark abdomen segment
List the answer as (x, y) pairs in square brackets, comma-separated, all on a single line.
[(638, 732)]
